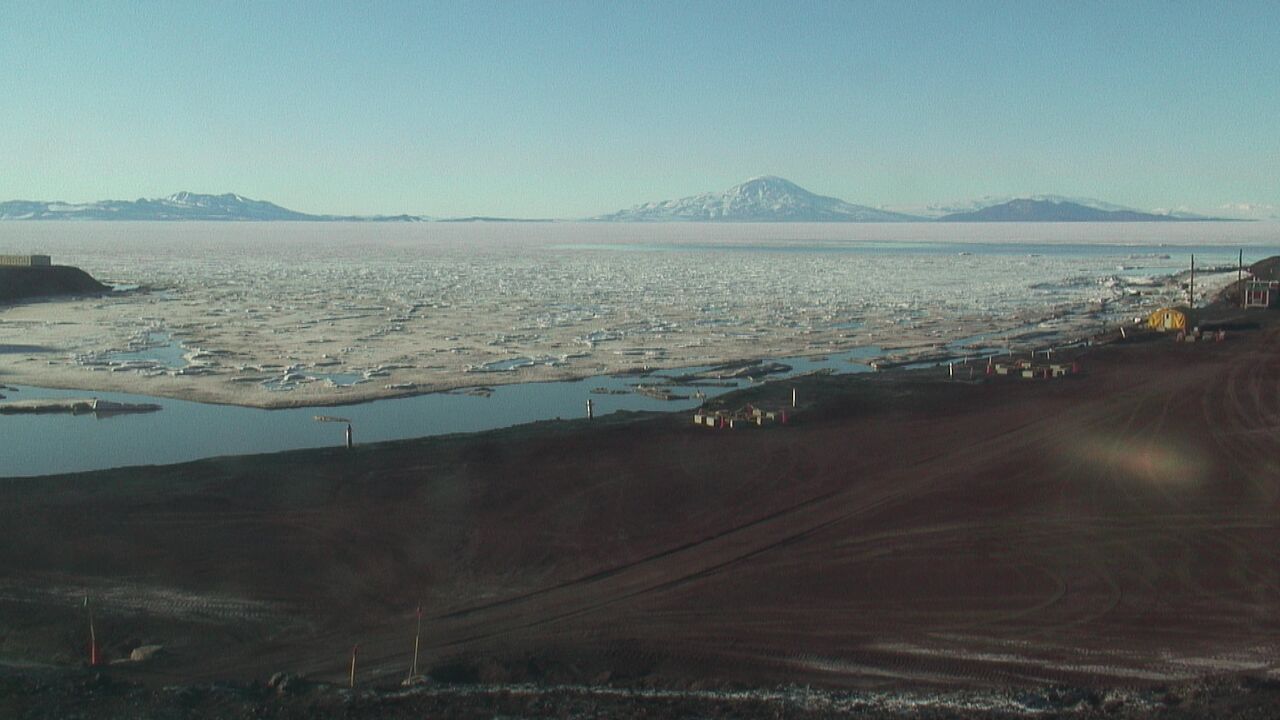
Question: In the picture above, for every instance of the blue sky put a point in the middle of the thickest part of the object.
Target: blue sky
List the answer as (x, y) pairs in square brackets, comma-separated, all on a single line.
[(568, 109)]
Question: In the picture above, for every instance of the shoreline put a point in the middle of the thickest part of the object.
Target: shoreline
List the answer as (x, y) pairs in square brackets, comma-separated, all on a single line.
[(523, 397), (904, 353), (226, 332)]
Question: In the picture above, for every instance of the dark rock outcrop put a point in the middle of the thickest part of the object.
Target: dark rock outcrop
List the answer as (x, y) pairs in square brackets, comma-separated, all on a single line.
[(23, 283)]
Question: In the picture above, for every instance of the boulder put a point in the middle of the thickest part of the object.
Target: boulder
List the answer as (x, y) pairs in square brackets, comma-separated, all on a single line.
[(143, 653)]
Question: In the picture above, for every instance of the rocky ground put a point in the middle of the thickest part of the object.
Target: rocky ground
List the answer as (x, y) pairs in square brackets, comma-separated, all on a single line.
[(37, 696)]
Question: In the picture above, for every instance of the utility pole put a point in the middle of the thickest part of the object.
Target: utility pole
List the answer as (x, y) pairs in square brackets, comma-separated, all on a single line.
[(1191, 290), (1240, 276)]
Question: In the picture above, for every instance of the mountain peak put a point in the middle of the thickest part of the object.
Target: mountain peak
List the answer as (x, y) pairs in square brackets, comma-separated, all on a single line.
[(769, 186), (767, 198), (770, 181), (187, 197)]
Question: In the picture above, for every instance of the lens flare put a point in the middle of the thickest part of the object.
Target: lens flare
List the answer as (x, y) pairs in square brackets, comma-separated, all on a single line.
[(1164, 462)]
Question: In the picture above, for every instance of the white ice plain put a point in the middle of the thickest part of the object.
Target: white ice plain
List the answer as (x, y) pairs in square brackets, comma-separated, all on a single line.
[(288, 314)]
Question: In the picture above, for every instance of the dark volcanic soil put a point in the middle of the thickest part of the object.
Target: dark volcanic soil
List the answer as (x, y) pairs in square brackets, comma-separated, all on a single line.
[(1118, 528), (57, 696)]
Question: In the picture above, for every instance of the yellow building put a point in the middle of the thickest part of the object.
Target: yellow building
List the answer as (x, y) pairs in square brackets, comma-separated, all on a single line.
[(1168, 319)]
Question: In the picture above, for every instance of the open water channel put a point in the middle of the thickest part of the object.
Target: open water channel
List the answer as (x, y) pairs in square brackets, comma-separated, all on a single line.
[(44, 444)]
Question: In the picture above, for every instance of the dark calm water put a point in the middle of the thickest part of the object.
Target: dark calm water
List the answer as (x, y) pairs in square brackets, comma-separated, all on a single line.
[(57, 443)]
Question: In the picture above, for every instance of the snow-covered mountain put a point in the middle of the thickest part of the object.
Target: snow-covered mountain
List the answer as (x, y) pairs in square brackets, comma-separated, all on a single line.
[(1244, 211), (1029, 210), (762, 199), (937, 210), (189, 205), (179, 206)]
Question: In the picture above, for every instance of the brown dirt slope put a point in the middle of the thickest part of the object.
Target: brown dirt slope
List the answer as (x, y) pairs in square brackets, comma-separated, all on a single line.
[(1117, 527)]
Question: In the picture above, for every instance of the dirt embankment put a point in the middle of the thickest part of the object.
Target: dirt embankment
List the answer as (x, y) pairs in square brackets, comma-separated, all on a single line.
[(23, 283), (1232, 295), (35, 695), (1115, 528)]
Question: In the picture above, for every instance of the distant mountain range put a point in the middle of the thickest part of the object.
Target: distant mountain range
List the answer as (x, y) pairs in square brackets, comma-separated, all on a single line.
[(761, 199), (1028, 210), (934, 211), (179, 206), (773, 199)]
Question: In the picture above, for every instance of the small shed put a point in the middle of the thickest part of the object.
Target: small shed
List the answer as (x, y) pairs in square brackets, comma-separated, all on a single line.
[(1261, 293), (1168, 319), (25, 261)]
